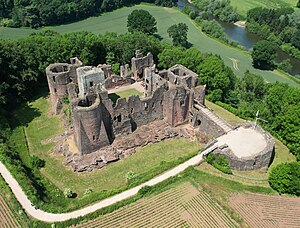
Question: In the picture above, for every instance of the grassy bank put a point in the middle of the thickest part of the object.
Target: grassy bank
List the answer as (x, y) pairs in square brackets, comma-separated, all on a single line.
[(116, 22)]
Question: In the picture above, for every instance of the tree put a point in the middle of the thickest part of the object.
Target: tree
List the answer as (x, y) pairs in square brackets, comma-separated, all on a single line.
[(179, 34), (141, 21), (263, 54), (285, 178), (298, 4), (68, 193)]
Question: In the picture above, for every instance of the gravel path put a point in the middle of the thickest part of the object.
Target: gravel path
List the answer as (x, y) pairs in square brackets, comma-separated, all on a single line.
[(50, 217)]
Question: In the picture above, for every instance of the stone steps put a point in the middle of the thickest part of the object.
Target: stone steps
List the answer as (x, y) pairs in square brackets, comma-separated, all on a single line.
[(216, 119)]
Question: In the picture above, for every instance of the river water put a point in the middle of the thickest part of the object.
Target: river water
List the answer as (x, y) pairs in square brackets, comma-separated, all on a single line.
[(247, 39)]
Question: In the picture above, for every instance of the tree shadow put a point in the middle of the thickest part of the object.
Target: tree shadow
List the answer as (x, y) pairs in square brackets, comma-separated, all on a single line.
[(114, 97), (159, 37)]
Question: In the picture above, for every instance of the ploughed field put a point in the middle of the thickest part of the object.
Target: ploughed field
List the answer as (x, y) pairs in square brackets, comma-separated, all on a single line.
[(116, 21), (7, 218), (181, 206), (267, 211)]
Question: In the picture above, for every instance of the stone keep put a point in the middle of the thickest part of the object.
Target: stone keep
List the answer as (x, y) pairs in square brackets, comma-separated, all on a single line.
[(88, 77)]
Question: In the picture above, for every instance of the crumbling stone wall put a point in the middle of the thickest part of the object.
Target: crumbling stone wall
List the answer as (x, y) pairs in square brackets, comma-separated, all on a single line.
[(139, 63), (88, 77)]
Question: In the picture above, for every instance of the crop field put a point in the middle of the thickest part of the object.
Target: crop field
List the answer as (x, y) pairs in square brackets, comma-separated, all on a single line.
[(7, 218), (116, 22), (266, 210), (244, 5), (181, 206)]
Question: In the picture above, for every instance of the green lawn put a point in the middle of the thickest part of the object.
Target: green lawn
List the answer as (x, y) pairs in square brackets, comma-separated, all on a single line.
[(124, 94), (244, 5), (116, 22), (41, 126)]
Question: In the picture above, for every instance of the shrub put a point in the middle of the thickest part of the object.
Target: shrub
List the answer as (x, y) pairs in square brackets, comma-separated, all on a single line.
[(220, 162), (145, 190), (130, 177), (68, 193), (87, 191), (36, 162)]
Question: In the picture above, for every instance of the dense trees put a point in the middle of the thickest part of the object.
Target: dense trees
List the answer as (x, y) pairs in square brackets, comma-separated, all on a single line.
[(281, 26), (285, 178), (220, 9), (36, 13), (178, 33), (141, 21), (263, 54)]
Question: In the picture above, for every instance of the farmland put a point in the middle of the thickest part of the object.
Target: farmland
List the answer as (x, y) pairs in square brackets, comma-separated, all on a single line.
[(11, 215), (267, 211), (181, 206), (116, 22), (7, 218), (244, 5)]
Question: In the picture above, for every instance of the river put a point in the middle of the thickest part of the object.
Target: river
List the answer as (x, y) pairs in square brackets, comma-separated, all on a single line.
[(247, 39)]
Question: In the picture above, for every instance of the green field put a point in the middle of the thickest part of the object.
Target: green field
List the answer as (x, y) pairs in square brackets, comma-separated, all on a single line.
[(244, 5), (116, 22)]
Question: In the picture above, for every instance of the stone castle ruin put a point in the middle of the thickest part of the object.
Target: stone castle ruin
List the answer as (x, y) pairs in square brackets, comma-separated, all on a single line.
[(173, 96)]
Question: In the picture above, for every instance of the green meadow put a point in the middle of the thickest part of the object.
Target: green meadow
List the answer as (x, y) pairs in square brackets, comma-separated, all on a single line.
[(244, 5), (116, 22)]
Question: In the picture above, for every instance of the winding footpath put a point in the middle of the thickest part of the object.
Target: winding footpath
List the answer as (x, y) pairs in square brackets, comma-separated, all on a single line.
[(50, 217)]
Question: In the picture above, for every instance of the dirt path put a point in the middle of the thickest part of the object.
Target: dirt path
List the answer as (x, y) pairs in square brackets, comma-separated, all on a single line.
[(234, 63), (50, 217)]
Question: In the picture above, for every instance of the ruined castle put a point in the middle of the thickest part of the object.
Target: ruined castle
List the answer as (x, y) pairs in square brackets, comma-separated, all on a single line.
[(168, 94), (174, 95)]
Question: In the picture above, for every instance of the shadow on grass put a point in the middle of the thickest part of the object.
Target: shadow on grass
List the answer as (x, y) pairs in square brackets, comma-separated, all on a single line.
[(114, 97), (25, 113)]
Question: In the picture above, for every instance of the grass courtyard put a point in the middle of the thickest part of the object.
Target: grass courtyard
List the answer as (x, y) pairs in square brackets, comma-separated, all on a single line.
[(116, 22), (123, 94)]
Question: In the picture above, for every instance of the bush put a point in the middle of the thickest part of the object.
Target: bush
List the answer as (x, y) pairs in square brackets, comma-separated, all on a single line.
[(145, 190), (131, 177), (36, 162), (87, 191), (68, 193), (285, 178), (220, 162)]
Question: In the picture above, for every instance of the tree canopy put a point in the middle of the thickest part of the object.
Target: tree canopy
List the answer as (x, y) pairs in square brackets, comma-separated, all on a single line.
[(141, 21), (263, 54), (178, 33), (285, 178)]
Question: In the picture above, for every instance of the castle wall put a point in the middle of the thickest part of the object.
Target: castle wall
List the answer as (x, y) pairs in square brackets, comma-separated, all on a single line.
[(139, 63), (178, 103), (205, 124)]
